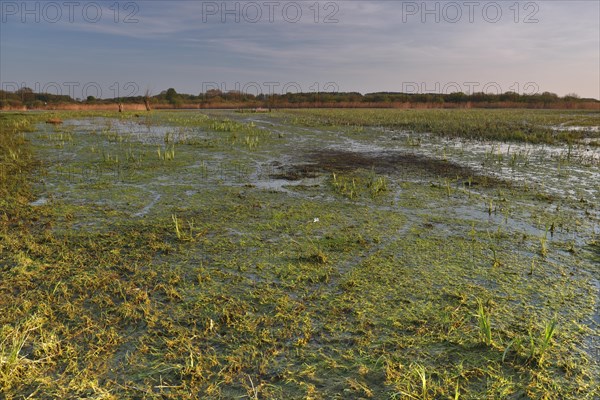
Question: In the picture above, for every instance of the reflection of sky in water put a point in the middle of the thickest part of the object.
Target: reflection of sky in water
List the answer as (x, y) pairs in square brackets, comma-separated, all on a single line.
[(135, 131), (558, 170)]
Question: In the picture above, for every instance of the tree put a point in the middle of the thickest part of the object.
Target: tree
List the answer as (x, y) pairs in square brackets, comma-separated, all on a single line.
[(213, 93), (26, 94), (171, 95)]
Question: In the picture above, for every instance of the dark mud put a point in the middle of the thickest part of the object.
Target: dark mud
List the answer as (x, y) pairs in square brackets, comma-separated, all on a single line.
[(391, 163)]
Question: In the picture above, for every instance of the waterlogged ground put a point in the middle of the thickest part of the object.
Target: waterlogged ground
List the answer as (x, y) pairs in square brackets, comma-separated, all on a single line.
[(228, 255)]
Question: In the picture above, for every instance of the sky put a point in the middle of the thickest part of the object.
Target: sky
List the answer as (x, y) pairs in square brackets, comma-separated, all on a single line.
[(126, 48)]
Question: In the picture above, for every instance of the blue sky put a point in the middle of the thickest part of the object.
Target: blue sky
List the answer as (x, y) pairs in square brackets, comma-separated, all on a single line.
[(363, 46)]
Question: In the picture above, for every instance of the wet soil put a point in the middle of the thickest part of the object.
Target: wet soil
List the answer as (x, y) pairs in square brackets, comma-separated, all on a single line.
[(318, 162)]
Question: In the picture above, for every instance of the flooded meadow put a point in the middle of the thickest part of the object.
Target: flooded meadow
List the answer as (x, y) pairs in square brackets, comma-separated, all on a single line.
[(314, 254)]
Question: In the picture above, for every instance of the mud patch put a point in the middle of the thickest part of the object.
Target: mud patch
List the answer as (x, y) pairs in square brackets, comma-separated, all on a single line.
[(297, 172), (328, 161)]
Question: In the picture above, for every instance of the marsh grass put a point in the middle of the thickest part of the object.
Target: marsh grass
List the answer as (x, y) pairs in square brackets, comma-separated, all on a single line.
[(415, 390), (544, 243), (485, 327), (310, 252), (12, 342), (359, 185), (490, 207), (495, 258), (346, 186), (503, 125), (532, 267), (422, 374), (545, 341)]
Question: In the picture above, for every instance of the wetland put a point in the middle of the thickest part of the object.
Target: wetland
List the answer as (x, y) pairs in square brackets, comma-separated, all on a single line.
[(309, 254)]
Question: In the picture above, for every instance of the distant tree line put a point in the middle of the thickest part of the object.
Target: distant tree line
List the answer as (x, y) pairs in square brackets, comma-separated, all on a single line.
[(26, 98)]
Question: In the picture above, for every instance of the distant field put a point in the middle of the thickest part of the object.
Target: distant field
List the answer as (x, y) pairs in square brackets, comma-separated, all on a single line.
[(300, 254)]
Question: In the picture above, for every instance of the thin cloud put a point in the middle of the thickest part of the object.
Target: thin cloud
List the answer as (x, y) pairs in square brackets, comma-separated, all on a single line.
[(370, 46)]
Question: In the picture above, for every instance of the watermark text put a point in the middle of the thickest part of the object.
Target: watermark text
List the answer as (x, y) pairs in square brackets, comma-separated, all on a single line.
[(68, 11), (470, 11)]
